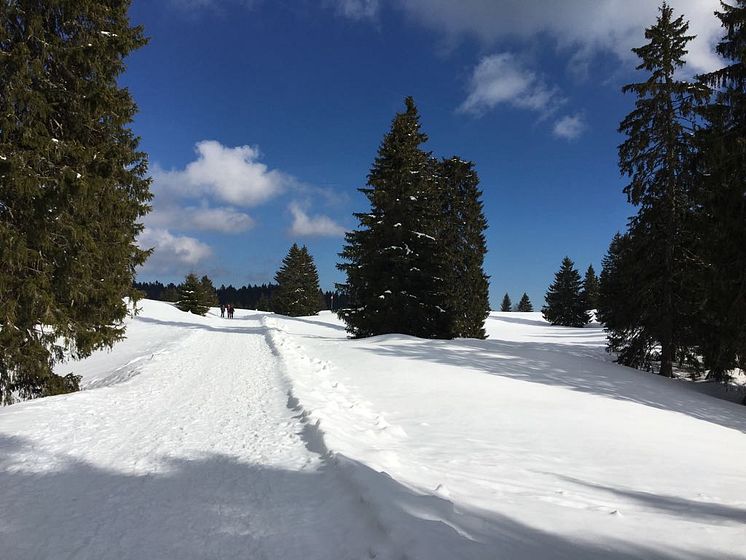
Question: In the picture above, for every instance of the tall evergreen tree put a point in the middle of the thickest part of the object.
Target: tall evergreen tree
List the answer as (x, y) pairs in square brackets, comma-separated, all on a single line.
[(721, 204), (565, 305), (525, 305), (506, 305), (192, 296), (297, 291), (590, 288), (72, 187), (461, 248), (394, 280), (657, 157)]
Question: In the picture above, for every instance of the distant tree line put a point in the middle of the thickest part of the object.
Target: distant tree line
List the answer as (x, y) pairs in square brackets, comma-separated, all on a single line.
[(523, 306), (295, 291), (245, 297)]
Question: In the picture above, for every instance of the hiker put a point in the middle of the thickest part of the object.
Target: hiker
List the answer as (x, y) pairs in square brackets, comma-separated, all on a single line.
[(222, 310), (230, 311)]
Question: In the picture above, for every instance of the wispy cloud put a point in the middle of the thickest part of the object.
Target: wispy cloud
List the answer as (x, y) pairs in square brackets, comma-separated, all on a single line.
[(356, 9), (211, 194), (199, 218), (317, 225), (172, 253), (503, 79), (582, 27), (569, 127), (206, 195)]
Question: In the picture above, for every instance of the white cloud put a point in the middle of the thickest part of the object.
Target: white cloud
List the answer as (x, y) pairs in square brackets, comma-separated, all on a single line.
[(232, 175), (501, 78), (193, 198), (172, 253), (569, 127), (582, 26), (318, 225), (357, 9), (201, 218)]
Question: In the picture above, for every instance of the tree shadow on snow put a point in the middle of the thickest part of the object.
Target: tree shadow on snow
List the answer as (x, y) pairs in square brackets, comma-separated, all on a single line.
[(310, 321), (205, 327), (216, 507), (518, 320), (673, 505), (577, 367)]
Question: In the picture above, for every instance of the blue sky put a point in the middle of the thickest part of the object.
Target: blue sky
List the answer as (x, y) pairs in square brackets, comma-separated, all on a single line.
[(262, 118)]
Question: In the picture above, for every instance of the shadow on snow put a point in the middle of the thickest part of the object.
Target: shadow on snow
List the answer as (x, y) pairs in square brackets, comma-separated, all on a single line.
[(217, 507)]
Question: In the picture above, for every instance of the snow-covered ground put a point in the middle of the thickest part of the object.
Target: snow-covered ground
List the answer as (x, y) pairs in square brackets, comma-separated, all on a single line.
[(273, 437)]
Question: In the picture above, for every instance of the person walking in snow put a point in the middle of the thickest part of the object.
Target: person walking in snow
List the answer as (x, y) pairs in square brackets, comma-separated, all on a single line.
[(230, 311), (222, 310)]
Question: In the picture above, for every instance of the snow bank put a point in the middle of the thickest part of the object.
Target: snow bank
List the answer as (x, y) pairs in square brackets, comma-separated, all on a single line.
[(530, 444)]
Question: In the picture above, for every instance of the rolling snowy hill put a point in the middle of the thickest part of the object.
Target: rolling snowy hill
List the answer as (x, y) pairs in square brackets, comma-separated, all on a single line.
[(273, 437)]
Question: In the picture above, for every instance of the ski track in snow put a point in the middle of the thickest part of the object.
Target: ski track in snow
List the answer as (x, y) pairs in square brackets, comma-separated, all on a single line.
[(196, 457)]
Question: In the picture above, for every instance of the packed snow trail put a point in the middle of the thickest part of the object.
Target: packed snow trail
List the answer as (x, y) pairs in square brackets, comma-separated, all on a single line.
[(198, 457)]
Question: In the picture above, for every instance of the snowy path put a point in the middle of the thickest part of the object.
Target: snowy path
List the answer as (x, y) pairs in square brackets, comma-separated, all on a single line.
[(198, 456), (202, 438)]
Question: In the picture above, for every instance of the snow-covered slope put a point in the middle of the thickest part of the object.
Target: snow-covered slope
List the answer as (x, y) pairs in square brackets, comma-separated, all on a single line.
[(272, 437), (530, 444)]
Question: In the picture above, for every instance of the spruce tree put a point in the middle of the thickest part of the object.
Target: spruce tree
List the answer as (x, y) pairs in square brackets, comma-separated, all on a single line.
[(590, 288), (461, 248), (297, 292), (506, 305), (394, 276), (73, 186), (721, 204), (620, 305), (209, 294), (657, 157), (192, 296), (525, 305), (565, 305)]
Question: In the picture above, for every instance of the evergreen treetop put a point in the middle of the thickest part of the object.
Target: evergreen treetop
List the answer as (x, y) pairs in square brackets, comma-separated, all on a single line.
[(506, 305), (461, 248), (209, 292), (565, 305), (297, 292), (192, 295), (525, 304), (590, 288), (394, 282)]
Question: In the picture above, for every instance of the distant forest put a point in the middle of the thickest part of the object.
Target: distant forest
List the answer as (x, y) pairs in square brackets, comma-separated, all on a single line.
[(245, 297)]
